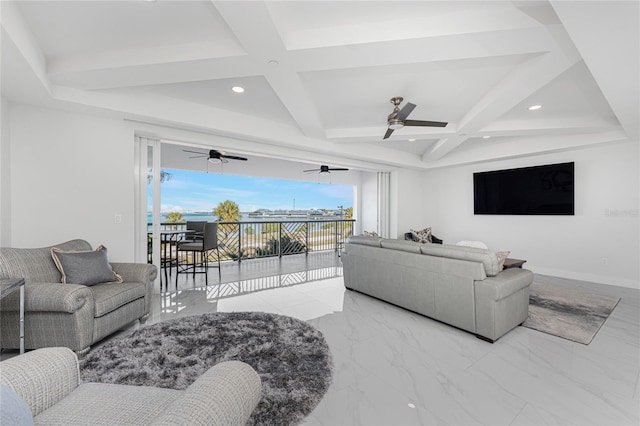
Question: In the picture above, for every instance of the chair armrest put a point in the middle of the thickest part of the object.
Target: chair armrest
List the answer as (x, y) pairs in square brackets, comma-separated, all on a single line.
[(226, 394), (50, 297), (135, 272), (42, 377)]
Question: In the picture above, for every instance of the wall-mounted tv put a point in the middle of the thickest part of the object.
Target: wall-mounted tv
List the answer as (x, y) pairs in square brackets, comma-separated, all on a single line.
[(538, 190)]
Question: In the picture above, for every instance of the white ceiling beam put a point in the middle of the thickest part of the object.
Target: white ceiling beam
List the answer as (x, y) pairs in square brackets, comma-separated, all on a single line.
[(527, 41), (180, 114), (17, 30), (525, 147), (265, 46), (157, 73), (610, 51), (206, 61), (521, 83), (533, 127)]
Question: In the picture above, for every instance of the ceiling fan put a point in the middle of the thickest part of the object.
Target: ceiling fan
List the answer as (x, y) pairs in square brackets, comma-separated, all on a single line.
[(215, 156), (326, 170), (398, 117)]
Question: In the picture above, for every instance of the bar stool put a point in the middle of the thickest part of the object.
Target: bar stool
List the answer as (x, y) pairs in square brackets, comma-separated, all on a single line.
[(208, 242)]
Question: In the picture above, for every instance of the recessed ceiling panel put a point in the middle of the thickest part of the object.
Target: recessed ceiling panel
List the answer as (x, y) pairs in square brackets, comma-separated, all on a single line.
[(572, 94), (257, 100), (442, 91), (67, 28)]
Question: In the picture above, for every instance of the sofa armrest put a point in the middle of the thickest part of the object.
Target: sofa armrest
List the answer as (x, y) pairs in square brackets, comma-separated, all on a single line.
[(226, 394), (42, 377), (138, 272), (135, 272), (50, 297)]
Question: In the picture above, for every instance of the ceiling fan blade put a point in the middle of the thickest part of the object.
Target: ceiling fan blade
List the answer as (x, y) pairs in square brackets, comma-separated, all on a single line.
[(425, 123), (233, 157), (338, 169), (311, 170), (194, 152), (386, 135), (198, 156), (405, 111)]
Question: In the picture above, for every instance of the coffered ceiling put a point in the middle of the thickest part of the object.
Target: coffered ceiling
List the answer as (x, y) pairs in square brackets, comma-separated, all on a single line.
[(318, 75)]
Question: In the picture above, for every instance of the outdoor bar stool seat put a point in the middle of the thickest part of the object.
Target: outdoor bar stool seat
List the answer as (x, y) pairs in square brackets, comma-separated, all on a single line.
[(203, 246)]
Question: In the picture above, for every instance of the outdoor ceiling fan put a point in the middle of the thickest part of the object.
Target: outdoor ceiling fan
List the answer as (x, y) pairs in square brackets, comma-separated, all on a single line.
[(215, 156), (326, 170), (398, 117)]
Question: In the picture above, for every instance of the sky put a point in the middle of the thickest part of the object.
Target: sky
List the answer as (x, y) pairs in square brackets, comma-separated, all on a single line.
[(189, 191)]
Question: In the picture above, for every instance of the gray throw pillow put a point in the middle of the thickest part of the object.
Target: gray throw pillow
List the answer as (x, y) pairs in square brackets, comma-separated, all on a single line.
[(13, 409), (84, 267)]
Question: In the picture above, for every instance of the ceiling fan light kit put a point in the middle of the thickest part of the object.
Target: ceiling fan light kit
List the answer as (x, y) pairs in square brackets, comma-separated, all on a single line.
[(398, 117)]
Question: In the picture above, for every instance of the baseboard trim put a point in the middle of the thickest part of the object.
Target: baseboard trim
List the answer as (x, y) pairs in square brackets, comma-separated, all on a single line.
[(601, 279)]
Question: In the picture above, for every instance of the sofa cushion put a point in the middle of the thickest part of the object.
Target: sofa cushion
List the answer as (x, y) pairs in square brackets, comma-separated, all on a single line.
[(401, 245), (84, 267), (105, 403), (488, 258), (367, 241), (110, 296), (35, 265)]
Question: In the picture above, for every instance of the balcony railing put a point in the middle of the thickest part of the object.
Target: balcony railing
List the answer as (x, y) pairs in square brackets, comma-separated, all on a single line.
[(250, 240)]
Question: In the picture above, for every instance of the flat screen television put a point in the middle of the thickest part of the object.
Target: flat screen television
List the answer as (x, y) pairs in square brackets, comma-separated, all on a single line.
[(538, 190)]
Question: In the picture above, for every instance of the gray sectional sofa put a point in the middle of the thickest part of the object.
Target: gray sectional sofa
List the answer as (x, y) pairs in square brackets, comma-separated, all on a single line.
[(70, 315), (460, 286)]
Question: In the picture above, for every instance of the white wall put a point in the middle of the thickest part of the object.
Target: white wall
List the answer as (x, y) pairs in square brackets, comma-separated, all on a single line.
[(600, 243), (369, 212), (5, 175), (407, 202), (70, 175)]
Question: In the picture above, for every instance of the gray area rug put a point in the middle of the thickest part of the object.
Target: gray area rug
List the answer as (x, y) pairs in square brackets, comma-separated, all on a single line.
[(568, 313), (291, 357)]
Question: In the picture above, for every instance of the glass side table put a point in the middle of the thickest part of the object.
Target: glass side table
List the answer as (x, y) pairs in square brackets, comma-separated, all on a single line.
[(7, 287)]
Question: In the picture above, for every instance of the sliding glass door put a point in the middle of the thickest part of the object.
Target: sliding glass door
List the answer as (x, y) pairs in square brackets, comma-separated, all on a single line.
[(147, 200)]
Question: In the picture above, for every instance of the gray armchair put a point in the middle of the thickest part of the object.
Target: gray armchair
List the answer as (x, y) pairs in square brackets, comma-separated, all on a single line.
[(70, 315), (48, 381)]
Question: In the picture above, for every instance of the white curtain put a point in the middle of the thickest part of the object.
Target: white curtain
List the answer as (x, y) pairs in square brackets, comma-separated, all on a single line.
[(384, 196)]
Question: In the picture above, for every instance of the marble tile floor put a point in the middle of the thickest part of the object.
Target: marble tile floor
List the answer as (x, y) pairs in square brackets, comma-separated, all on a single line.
[(394, 367), (232, 271)]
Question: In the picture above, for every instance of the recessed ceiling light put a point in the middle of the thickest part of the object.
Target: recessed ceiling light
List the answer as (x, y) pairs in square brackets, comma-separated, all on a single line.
[(411, 405), (534, 107), (486, 137), (412, 140), (273, 63), (237, 89)]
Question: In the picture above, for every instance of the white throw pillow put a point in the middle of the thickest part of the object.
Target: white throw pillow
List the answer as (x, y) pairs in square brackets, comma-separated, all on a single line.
[(476, 244)]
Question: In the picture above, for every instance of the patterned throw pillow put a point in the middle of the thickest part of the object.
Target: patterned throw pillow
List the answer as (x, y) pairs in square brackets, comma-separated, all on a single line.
[(423, 236), (84, 267), (502, 256), (370, 234)]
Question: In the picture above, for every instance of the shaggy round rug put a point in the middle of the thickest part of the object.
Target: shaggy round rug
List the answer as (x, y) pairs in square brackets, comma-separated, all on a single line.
[(291, 357)]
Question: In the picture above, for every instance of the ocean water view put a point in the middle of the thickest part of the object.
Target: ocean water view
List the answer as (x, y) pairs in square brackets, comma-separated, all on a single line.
[(210, 217)]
